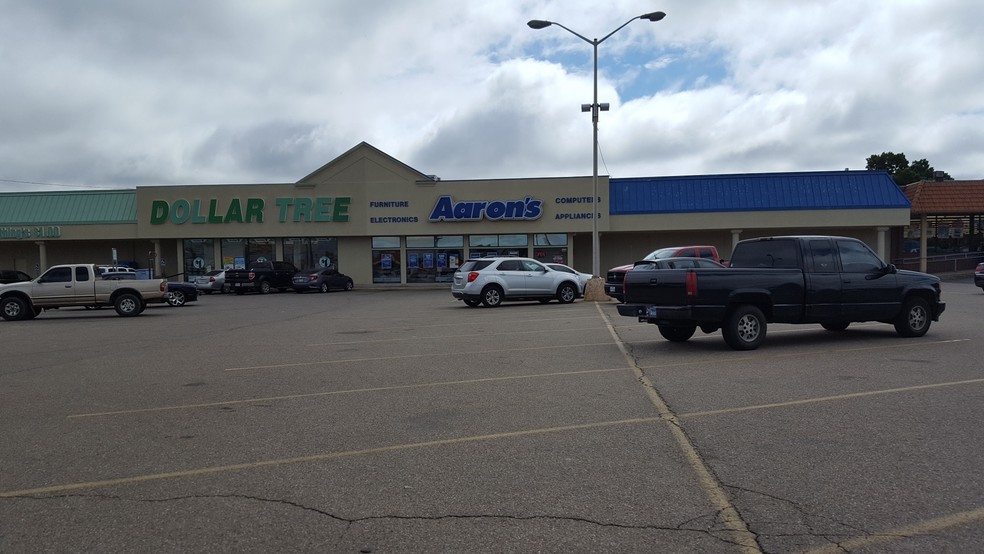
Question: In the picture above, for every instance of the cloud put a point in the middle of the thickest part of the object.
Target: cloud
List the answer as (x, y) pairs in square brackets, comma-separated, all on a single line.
[(115, 93)]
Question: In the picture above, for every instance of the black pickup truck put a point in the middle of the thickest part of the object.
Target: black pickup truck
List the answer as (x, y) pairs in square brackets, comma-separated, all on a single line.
[(832, 281), (261, 276)]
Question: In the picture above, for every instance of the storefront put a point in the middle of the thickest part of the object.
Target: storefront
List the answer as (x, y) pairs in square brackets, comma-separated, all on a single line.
[(385, 223)]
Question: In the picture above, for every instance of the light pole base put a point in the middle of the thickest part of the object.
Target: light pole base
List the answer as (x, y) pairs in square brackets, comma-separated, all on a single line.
[(595, 291)]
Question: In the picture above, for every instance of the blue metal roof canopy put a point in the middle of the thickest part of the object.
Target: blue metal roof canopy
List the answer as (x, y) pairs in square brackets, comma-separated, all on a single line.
[(811, 190)]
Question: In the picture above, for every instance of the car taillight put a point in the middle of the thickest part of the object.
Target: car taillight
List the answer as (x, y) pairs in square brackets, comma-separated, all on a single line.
[(313, 277), (163, 286), (252, 275), (691, 284), (211, 279), (472, 275)]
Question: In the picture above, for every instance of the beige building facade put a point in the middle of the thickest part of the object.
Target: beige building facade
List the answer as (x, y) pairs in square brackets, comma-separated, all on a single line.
[(384, 224)]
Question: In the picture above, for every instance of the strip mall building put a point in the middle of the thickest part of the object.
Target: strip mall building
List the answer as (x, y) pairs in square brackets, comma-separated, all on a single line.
[(385, 223)]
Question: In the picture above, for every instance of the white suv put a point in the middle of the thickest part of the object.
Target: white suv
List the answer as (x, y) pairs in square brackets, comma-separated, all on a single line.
[(490, 281)]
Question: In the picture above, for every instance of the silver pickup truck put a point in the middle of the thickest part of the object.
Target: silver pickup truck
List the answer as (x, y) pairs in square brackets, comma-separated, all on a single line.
[(80, 285)]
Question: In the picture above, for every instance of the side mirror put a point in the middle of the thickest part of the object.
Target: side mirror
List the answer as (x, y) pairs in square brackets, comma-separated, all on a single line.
[(889, 269)]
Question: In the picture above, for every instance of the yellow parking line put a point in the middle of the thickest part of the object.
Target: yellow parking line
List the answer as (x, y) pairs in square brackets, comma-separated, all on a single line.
[(828, 398), (346, 391), (53, 489), (902, 533), (740, 535), (409, 356)]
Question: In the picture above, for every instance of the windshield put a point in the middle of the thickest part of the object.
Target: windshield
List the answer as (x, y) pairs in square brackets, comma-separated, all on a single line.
[(661, 254)]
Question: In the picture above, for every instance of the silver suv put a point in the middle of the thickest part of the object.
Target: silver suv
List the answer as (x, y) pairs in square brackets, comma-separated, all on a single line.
[(491, 281)]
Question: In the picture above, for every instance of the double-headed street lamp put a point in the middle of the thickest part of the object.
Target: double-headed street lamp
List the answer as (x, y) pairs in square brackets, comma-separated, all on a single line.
[(594, 108)]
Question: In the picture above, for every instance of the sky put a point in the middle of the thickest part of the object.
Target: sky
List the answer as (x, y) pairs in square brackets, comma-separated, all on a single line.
[(112, 94)]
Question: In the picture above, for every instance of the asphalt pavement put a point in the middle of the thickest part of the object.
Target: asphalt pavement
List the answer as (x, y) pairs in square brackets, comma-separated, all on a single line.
[(404, 421)]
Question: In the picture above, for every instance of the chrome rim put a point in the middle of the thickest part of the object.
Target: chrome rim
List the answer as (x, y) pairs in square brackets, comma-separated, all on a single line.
[(748, 328), (917, 318), (11, 309)]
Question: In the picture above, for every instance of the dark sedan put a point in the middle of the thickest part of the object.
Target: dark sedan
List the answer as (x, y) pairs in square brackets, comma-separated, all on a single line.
[(979, 275), (178, 293), (8, 276), (321, 279)]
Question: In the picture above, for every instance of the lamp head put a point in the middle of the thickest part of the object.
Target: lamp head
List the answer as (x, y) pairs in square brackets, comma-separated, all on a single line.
[(538, 23), (654, 16)]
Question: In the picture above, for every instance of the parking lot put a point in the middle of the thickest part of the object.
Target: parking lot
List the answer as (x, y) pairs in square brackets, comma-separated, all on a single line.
[(403, 421)]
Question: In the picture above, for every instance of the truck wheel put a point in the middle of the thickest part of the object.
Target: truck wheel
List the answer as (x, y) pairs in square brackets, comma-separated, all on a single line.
[(835, 326), (492, 296), (566, 293), (176, 298), (13, 309), (128, 304), (744, 328), (264, 287), (677, 333), (913, 320)]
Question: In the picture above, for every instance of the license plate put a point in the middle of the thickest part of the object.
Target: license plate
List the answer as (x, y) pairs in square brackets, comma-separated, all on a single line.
[(651, 312), (610, 288)]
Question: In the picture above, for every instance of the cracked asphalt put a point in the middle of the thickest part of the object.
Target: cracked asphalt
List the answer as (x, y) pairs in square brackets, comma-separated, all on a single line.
[(403, 421)]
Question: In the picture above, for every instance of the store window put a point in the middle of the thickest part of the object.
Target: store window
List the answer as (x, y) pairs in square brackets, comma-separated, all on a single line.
[(239, 253), (199, 257), (483, 246), (233, 253), (433, 259), (386, 261), (311, 252), (260, 250), (551, 248)]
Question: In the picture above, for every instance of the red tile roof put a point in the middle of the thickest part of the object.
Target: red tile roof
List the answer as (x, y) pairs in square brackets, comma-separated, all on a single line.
[(946, 197)]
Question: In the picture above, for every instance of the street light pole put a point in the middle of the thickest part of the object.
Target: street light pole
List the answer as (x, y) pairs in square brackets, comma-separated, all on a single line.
[(594, 108)]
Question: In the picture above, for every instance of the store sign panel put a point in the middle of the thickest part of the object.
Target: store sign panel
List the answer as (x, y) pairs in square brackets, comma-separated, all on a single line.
[(526, 209), (294, 210), (23, 233)]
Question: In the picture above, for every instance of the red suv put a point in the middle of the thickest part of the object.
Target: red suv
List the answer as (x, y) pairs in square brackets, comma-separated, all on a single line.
[(615, 275)]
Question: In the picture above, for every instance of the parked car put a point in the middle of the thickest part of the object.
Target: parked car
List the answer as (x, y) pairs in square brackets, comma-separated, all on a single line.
[(615, 276), (676, 263), (979, 276), (582, 278), (261, 276), (213, 281), (13, 276), (321, 279), (116, 269), (830, 280), (491, 281), (179, 293)]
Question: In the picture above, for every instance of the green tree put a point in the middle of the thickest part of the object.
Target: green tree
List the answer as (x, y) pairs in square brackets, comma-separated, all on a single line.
[(902, 172)]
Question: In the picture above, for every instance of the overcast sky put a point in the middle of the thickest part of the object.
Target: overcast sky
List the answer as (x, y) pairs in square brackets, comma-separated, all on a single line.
[(125, 93)]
